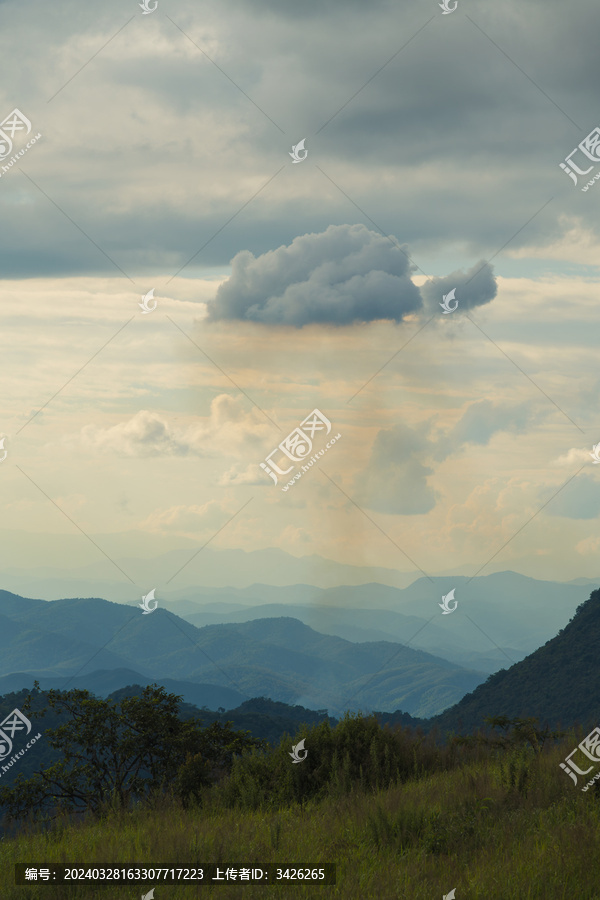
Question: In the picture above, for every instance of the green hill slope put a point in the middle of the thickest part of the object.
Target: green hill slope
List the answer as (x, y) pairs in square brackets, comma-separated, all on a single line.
[(559, 683)]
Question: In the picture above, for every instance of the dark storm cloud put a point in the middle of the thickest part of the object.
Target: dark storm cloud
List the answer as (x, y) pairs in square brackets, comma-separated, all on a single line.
[(473, 288), (345, 275)]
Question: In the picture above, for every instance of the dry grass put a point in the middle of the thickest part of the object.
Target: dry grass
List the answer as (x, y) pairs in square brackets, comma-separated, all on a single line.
[(484, 828)]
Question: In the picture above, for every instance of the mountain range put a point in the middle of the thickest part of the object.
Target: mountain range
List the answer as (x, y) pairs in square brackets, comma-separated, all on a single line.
[(363, 647), (279, 658), (499, 620), (500, 617)]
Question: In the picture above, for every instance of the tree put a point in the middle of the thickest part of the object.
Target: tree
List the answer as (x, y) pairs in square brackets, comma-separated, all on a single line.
[(524, 731), (118, 751), (216, 749)]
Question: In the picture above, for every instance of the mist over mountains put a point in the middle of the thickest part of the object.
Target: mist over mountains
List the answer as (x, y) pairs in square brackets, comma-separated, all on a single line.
[(213, 569), (279, 658), (367, 647), (500, 617)]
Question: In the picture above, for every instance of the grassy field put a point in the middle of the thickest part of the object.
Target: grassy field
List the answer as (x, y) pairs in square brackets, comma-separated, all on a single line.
[(505, 827)]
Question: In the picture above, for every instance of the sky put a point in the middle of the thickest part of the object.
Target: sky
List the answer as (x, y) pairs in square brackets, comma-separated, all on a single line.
[(433, 147)]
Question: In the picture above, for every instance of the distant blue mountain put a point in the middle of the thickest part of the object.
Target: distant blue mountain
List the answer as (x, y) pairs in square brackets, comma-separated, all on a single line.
[(104, 682), (281, 659)]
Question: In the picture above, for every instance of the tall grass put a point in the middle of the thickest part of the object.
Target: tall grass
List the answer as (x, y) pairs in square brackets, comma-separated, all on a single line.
[(400, 816)]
